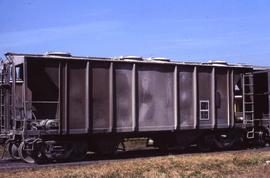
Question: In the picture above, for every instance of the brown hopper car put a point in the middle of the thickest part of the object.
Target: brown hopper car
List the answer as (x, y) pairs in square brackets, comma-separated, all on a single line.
[(57, 106)]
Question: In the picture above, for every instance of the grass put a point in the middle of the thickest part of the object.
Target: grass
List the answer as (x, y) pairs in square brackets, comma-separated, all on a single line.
[(230, 164)]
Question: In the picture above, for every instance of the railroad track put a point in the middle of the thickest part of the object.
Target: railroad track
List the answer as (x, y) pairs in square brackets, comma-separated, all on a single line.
[(9, 164)]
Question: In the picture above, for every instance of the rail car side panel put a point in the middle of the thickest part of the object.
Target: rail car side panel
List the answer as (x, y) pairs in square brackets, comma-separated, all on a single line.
[(100, 100), (77, 96), (205, 100), (104, 97), (123, 97), (262, 98), (186, 97), (42, 90), (155, 98), (222, 97)]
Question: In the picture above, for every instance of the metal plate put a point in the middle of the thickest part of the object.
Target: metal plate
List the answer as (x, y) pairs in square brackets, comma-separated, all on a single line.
[(155, 97)]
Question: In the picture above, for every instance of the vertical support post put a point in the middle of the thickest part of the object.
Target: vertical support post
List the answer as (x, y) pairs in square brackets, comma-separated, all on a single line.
[(66, 118), (133, 93), (8, 99), (176, 115), (244, 98), (213, 97), (195, 97), (87, 71), (111, 95), (13, 113), (1, 106), (24, 94), (228, 97), (90, 94), (232, 97), (59, 97)]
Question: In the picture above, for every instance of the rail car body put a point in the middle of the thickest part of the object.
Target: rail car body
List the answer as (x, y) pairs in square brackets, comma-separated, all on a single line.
[(58, 106)]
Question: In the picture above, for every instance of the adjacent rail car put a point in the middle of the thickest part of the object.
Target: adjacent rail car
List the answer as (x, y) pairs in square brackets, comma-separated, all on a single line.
[(57, 106)]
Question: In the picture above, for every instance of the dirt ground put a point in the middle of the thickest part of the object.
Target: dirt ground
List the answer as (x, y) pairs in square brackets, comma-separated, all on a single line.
[(218, 164)]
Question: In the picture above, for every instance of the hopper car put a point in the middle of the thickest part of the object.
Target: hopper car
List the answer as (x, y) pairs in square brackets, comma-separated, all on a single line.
[(56, 106)]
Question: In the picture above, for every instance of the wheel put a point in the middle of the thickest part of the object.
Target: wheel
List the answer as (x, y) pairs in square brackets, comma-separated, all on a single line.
[(224, 141), (60, 151), (263, 137), (13, 150), (26, 155)]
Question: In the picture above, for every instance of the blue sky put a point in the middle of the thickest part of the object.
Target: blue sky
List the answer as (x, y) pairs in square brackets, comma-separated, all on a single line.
[(193, 30)]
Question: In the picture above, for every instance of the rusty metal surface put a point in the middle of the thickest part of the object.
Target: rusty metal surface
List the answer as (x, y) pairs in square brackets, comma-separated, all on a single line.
[(42, 82), (262, 98), (204, 94), (186, 97), (98, 98), (123, 97), (222, 87), (102, 95), (76, 96), (155, 97)]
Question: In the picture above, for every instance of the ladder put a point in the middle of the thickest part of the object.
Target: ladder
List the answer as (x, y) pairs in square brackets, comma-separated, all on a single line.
[(5, 100), (248, 104), (2, 119)]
